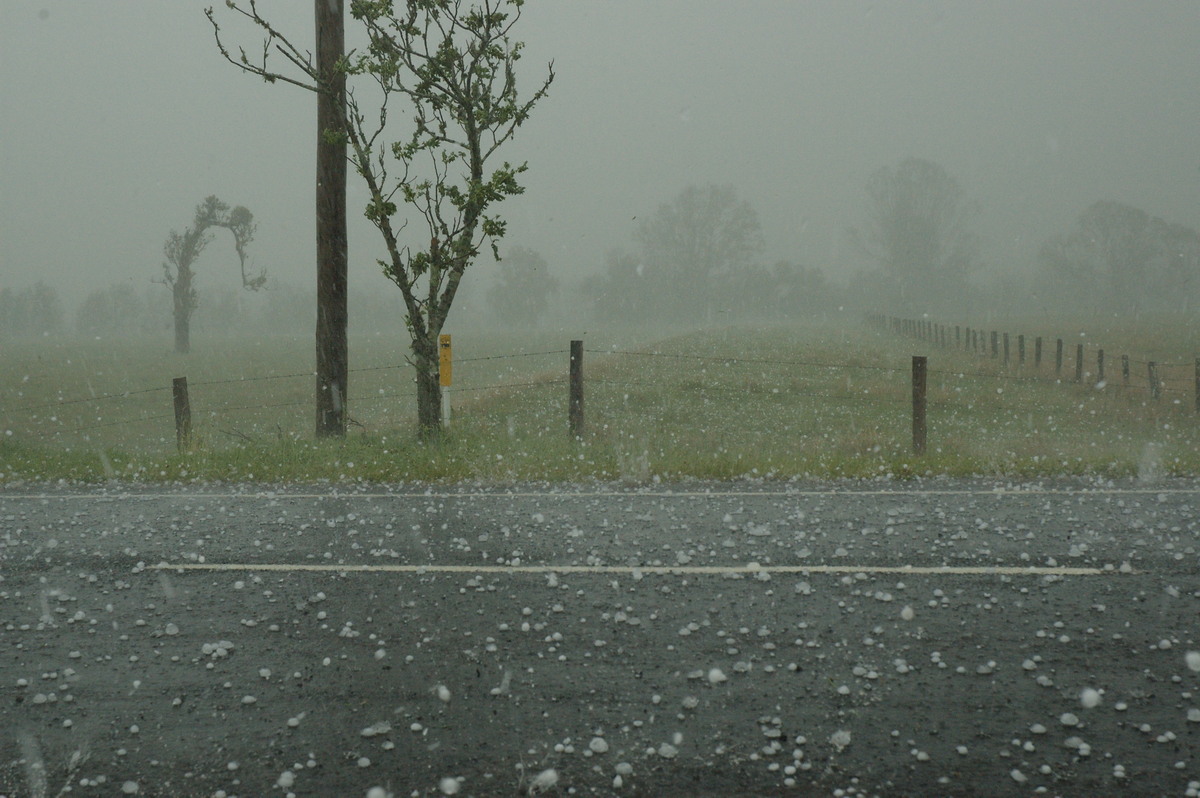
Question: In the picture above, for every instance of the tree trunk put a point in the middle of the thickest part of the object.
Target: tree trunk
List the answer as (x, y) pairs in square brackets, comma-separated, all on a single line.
[(183, 315), (429, 388), (183, 344)]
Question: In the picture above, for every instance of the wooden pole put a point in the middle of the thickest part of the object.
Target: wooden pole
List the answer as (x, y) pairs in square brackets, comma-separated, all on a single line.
[(333, 369), (1058, 357), (1037, 352), (1152, 374), (1006, 349), (1100, 366), (183, 413), (1020, 350), (919, 430), (1125, 370), (1198, 385), (575, 405)]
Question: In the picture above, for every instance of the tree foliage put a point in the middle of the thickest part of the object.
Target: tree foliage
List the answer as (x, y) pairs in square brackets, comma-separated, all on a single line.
[(695, 257), (918, 234), (453, 65), (1118, 257), (28, 312), (521, 294), (700, 244)]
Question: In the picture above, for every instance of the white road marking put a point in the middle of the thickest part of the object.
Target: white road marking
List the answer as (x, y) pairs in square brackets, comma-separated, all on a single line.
[(965, 570), (631, 494)]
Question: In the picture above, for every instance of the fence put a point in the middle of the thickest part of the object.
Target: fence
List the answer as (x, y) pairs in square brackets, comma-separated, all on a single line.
[(1001, 347), (1162, 378)]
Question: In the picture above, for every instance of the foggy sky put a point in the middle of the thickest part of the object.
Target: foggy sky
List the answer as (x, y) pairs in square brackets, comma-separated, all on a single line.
[(118, 117)]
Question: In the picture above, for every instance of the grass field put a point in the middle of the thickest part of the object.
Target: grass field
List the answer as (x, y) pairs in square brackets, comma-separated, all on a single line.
[(783, 402)]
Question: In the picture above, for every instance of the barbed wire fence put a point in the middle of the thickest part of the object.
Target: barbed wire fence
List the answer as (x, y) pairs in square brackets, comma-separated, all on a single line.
[(1010, 364)]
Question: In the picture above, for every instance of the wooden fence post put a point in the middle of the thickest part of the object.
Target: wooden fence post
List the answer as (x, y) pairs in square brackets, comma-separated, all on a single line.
[(1058, 352), (919, 372), (1037, 352), (183, 413), (1006, 349), (1198, 385), (1100, 366), (1152, 374), (1020, 350), (1125, 370), (575, 405), (1078, 362)]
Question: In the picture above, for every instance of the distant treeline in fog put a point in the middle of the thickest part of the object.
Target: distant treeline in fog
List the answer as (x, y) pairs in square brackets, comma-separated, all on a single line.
[(698, 260)]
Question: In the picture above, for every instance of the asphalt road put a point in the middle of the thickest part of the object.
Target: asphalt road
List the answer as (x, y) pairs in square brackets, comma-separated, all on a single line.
[(939, 638)]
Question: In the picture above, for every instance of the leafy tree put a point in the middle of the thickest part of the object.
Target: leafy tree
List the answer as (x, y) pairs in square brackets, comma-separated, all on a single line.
[(522, 292), (788, 289), (691, 247), (33, 311), (182, 249), (1118, 257), (620, 291), (1180, 253), (108, 311), (454, 64), (918, 233)]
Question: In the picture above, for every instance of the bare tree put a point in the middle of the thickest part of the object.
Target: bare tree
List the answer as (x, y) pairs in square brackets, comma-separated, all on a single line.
[(454, 63), (182, 249)]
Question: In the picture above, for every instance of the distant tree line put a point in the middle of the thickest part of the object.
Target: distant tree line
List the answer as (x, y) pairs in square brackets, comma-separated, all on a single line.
[(1118, 258), (698, 259), (30, 312)]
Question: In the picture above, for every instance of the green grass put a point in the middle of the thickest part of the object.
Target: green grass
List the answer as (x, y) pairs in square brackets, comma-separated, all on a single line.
[(773, 403)]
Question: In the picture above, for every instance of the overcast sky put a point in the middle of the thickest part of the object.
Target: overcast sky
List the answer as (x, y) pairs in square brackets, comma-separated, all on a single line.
[(118, 117)]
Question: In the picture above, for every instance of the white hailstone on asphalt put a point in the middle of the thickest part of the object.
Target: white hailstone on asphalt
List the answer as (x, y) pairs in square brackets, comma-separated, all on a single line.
[(1018, 776), (364, 762), (1192, 658), (624, 768), (1089, 697), (546, 780), (667, 751), (840, 739), (716, 676), (598, 745), (382, 727), (907, 613), (378, 792), (130, 788), (286, 779), (1194, 715), (449, 786), (1068, 719), (443, 693)]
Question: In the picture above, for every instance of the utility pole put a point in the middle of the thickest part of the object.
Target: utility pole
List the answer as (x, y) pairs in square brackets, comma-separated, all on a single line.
[(332, 313)]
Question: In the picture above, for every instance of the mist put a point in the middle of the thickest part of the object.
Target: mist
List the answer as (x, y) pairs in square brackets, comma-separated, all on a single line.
[(120, 118)]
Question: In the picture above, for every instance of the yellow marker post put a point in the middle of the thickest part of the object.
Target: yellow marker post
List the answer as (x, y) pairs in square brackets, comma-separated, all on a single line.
[(444, 361), (445, 373)]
